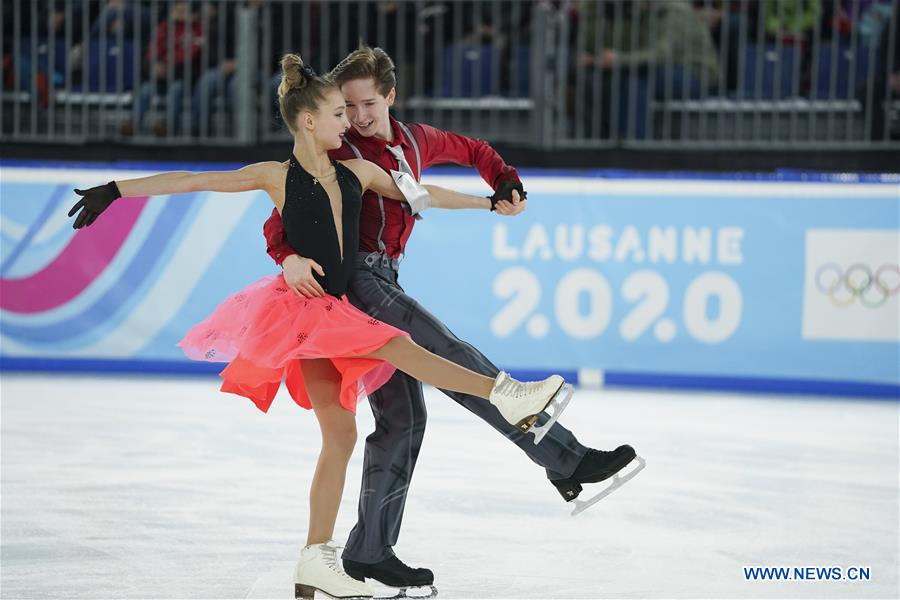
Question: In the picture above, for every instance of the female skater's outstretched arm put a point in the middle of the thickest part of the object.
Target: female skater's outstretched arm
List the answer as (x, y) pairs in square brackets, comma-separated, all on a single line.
[(267, 176), (251, 177)]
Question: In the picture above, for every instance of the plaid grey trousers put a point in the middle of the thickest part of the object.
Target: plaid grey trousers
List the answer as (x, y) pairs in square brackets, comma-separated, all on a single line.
[(400, 415)]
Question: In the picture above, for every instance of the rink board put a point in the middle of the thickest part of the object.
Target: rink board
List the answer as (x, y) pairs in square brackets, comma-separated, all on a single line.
[(783, 283)]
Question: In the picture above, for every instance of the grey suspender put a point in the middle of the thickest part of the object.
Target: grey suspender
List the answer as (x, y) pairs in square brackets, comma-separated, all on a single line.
[(415, 145), (381, 246)]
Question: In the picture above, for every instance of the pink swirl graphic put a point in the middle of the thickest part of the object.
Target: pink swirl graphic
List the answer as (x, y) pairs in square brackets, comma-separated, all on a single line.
[(86, 255)]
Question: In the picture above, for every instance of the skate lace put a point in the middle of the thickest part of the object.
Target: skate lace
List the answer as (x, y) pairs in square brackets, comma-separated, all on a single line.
[(329, 555), (511, 388)]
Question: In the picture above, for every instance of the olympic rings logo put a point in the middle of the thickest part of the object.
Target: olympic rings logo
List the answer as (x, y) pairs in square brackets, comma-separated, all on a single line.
[(858, 282)]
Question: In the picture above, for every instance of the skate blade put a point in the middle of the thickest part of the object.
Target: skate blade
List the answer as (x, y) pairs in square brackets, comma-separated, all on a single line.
[(308, 592), (413, 593), (554, 410), (617, 482)]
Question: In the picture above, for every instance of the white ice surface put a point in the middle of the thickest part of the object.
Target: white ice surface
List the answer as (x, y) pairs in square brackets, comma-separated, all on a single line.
[(165, 488)]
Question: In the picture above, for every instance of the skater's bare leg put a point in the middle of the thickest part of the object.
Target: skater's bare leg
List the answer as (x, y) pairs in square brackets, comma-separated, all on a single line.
[(430, 368), (338, 426)]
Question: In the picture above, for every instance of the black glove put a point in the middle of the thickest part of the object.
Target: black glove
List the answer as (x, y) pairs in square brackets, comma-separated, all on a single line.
[(94, 201), (504, 192)]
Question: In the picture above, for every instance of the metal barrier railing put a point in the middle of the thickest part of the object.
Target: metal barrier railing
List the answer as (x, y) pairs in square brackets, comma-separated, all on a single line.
[(727, 73), (463, 65), (124, 70), (545, 73)]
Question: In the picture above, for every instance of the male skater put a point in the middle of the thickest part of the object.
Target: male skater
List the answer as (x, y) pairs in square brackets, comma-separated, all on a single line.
[(367, 80)]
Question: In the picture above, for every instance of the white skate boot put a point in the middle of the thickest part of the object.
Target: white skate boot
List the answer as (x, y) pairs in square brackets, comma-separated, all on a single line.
[(319, 569), (521, 403)]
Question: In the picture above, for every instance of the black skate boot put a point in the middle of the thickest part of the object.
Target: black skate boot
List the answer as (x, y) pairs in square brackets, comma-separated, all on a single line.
[(596, 466), (391, 572)]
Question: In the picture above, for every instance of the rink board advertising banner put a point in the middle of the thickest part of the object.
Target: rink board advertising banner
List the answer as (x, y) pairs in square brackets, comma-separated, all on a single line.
[(787, 284)]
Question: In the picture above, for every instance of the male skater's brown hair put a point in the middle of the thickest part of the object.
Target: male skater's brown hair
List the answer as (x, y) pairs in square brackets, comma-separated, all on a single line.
[(363, 63)]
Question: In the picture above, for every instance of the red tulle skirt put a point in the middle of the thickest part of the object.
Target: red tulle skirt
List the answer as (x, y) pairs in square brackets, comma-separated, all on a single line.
[(266, 329)]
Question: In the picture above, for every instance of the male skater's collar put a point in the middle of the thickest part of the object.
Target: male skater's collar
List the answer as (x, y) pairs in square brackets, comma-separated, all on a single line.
[(358, 140)]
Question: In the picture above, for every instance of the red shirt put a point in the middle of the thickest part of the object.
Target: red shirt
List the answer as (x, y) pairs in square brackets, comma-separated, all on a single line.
[(158, 49), (435, 147)]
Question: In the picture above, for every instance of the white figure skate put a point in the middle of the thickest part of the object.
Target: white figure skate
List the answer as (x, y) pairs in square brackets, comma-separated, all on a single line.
[(522, 403), (319, 569)]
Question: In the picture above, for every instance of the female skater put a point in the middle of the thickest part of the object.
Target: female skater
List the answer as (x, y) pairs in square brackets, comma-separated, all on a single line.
[(329, 353)]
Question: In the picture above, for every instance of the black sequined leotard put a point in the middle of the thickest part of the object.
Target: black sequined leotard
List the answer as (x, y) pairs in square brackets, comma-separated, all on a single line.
[(310, 228)]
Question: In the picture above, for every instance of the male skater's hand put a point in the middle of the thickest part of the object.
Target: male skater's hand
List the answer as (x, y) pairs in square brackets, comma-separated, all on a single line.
[(299, 277), (93, 202), (509, 199), (511, 208)]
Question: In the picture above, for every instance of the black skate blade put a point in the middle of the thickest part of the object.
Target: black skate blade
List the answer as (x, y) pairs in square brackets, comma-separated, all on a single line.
[(618, 481), (414, 593), (553, 410)]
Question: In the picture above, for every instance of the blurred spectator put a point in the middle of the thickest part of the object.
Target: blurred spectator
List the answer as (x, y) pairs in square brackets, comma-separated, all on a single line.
[(119, 20), (711, 12), (40, 57), (865, 18), (725, 20), (791, 20), (283, 29), (376, 24), (785, 22), (218, 81), (37, 20), (467, 28), (126, 18), (885, 89), (173, 53), (665, 47), (874, 19)]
